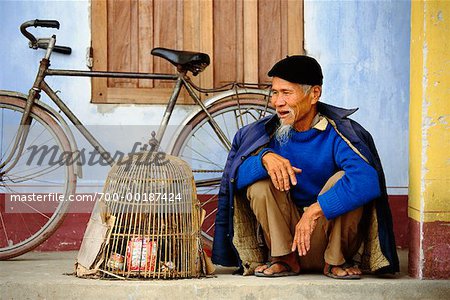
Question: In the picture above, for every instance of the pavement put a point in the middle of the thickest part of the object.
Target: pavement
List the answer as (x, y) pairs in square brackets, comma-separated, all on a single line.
[(43, 275)]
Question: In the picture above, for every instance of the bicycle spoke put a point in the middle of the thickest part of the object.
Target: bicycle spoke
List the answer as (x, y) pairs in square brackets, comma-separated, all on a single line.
[(219, 134), (255, 118), (35, 210), (13, 139), (213, 224), (210, 214), (26, 224), (6, 152), (245, 113), (239, 109), (207, 159), (35, 174), (29, 149), (56, 165), (17, 180), (237, 119), (249, 112), (26, 151), (211, 199), (199, 141), (213, 138), (31, 126), (192, 159), (7, 188), (4, 228), (226, 128), (207, 190), (9, 117)]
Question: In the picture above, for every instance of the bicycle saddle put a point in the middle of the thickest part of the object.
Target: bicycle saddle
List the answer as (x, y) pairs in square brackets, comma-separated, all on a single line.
[(184, 60)]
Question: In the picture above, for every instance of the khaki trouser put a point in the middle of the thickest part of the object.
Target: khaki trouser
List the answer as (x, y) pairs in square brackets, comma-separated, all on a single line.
[(332, 241)]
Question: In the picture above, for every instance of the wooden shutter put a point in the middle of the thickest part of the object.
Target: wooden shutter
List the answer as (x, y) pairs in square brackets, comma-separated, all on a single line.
[(244, 38)]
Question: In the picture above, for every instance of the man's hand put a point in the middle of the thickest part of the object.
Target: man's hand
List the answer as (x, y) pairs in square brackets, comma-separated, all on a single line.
[(305, 228), (280, 171)]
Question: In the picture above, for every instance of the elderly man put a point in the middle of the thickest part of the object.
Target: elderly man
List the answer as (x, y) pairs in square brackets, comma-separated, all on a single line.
[(314, 182)]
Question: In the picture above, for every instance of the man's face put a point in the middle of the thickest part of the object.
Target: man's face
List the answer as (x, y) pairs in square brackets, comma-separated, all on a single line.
[(293, 106)]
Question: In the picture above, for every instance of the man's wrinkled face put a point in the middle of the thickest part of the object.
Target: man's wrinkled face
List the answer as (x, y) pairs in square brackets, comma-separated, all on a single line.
[(290, 101)]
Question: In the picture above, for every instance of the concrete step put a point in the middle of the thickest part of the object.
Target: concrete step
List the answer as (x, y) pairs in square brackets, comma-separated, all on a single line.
[(40, 275)]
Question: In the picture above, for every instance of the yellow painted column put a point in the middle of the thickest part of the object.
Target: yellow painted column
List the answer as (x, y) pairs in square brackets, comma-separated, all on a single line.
[(429, 160)]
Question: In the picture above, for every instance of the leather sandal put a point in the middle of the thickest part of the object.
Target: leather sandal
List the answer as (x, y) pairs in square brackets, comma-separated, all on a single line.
[(329, 273), (288, 270)]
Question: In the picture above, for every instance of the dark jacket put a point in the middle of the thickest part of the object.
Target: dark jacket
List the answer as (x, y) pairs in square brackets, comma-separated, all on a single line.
[(252, 137)]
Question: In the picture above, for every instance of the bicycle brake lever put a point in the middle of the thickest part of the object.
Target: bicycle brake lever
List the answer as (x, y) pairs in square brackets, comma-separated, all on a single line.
[(42, 43)]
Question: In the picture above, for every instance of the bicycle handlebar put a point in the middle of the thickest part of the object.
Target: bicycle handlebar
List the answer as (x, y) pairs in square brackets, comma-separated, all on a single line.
[(42, 43), (46, 23)]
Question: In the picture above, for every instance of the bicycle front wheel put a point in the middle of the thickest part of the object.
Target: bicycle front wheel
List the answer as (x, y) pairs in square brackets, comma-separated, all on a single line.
[(200, 145), (34, 193)]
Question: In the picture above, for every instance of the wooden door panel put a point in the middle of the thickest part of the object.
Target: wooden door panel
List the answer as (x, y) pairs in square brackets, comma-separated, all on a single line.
[(244, 38)]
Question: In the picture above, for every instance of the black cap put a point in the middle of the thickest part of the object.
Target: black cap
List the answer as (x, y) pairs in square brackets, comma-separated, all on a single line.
[(298, 69)]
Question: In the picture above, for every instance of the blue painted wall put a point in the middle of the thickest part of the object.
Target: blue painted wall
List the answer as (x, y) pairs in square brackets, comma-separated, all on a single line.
[(363, 47)]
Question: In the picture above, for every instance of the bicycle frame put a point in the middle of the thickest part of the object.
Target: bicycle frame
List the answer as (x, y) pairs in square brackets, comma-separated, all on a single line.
[(83, 130), (181, 79)]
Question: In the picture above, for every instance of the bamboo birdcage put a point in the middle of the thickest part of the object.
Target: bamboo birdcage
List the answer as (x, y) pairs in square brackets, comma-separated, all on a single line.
[(156, 233)]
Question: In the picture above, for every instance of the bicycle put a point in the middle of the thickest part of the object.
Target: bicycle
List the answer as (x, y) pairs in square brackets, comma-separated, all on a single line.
[(35, 121)]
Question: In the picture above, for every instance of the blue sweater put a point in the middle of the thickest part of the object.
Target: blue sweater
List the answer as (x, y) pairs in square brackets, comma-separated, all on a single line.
[(319, 154)]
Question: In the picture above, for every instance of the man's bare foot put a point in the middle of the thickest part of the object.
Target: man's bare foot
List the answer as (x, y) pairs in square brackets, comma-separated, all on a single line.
[(269, 269), (344, 271), (261, 268), (354, 270)]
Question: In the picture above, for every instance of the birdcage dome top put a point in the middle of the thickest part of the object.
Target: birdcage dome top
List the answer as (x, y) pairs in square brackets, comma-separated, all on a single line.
[(152, 166)]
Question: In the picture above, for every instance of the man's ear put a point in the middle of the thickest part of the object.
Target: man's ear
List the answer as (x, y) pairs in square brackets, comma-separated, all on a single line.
[(316, 92)]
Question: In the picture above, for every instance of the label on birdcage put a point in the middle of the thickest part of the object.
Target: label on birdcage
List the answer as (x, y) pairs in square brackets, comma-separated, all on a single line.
[(141, 254)]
